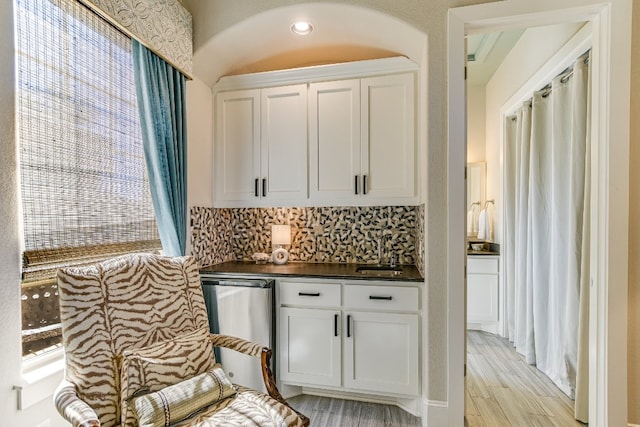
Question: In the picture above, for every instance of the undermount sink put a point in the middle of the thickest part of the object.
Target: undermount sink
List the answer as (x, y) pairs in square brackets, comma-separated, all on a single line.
[(379, 270)]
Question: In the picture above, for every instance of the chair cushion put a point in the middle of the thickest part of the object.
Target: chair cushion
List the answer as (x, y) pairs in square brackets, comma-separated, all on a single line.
[(247, 408), (176, 402), (163, 364)]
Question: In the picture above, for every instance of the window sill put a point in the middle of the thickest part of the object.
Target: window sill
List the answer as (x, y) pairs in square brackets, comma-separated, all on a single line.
[(40, 377)]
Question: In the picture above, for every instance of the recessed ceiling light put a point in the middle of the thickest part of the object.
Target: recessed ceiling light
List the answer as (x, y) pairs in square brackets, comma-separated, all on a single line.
[(302, 27)]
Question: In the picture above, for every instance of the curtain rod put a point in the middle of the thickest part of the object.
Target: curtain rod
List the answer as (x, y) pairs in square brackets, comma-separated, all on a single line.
[(566, 74), (547, 87)]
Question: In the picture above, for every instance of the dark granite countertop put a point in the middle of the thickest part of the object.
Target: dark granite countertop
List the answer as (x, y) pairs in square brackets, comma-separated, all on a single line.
[(489, 249), (482, 253), (306, 269)]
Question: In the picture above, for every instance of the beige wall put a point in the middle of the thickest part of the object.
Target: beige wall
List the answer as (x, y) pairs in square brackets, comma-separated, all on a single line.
[(476, 124), (214, 16), (200, 146), (9, 244), (634, 228), (430, 17)]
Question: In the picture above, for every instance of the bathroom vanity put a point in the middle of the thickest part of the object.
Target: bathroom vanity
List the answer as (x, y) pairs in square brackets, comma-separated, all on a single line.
[(482, 292)]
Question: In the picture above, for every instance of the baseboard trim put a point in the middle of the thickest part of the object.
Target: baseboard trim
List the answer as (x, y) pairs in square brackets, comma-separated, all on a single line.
[(288, 391), (435, 413), (412, 406)]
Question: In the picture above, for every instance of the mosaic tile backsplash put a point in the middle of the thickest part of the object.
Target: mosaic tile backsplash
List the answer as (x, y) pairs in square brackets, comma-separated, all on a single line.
[(322, 234), (420, 240)]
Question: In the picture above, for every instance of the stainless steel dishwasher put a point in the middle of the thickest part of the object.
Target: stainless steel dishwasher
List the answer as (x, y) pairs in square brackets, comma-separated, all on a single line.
[(241, 307)]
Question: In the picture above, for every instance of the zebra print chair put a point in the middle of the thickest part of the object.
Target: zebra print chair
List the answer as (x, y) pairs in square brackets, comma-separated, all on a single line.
[(138, 351)]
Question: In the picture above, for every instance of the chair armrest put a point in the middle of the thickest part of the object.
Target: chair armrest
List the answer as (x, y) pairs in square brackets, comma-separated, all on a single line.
[(238, 344), (72, 408), (264, 353), (252, 349)]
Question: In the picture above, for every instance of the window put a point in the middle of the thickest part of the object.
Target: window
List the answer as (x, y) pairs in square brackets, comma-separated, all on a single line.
[(85, 193)]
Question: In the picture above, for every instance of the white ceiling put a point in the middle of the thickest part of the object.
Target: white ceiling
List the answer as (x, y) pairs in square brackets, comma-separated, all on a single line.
[(264, 42), (485, 53), (342, 33)]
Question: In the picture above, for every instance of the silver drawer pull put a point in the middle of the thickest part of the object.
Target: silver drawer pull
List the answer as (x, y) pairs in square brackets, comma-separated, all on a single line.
[(309, 294), (389, 298)]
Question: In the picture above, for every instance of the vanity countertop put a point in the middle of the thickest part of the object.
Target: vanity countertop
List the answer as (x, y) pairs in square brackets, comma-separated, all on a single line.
[(489, 249), (309, 270), (482, 253)]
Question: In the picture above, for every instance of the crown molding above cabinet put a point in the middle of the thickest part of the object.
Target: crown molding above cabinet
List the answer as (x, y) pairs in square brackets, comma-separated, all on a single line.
[(317, 73)]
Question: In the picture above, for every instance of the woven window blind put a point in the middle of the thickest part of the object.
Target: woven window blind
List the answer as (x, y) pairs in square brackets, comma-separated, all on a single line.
[(85, 192)]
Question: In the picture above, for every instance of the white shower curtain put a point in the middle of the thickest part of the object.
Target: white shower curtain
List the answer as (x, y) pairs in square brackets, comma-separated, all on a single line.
[(546, 249)]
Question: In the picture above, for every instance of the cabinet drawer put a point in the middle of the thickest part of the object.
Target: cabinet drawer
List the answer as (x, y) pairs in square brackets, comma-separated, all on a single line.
[(309, 294), (381, 297), (482, 265)]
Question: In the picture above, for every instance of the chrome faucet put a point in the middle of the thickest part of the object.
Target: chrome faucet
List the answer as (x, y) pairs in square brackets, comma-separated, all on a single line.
[(381, 240), (392, 260)]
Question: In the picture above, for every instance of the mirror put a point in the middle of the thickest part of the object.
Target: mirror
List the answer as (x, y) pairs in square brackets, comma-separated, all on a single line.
[(476, 191)]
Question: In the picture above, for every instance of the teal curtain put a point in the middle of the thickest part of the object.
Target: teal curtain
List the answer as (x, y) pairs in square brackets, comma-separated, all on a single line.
[(161, 100)]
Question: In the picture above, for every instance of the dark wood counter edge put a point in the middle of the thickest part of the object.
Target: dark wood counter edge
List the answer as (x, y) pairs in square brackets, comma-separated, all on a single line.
[(306, 270), (482, 253)]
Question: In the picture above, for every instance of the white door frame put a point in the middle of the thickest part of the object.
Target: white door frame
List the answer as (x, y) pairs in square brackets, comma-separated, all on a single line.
[(611, 62)]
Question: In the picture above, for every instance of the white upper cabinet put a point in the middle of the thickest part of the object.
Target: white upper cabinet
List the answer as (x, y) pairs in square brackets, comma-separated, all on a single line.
[(334, 140), (308, 138), (261, 146), (237, 144), (284, 143), (362, 141), (388, 138)]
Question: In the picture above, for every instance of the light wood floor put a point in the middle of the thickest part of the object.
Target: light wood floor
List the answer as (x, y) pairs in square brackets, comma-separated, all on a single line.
[(329, 412), (501, 391)]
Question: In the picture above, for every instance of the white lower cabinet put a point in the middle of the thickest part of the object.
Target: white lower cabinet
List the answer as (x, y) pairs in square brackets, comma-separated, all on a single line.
[(312, 351), (349, 337), (381, 352), (482, 293)]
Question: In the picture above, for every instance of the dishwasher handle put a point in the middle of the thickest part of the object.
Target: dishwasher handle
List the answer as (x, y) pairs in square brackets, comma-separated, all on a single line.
[(247, 283)]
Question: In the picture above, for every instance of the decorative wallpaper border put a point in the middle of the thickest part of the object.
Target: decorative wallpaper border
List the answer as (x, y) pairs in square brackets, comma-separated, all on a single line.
[(325, 234), (164, 26)]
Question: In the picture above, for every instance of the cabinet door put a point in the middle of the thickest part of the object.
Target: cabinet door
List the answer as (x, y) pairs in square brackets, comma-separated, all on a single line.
[(388, 136), (334, 139), (381, 352), (309, 346), (237, 144), (482, 298), (284, 143)]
